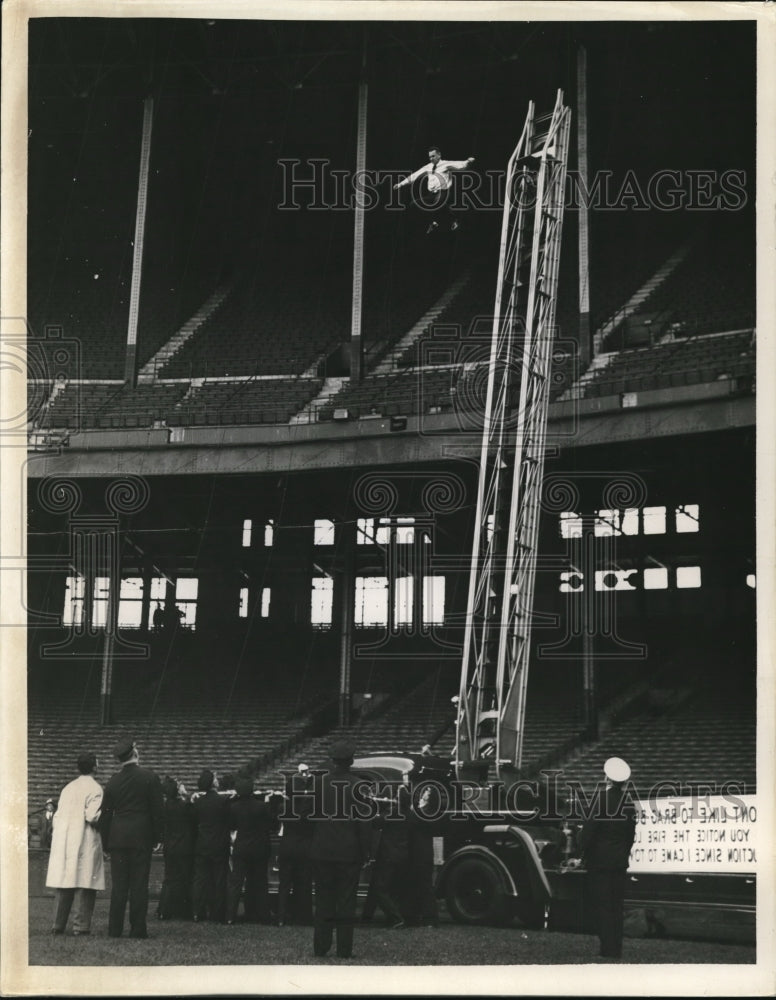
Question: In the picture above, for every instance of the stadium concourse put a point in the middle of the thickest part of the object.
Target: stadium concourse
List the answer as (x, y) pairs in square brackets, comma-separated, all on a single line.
[(248, 537)]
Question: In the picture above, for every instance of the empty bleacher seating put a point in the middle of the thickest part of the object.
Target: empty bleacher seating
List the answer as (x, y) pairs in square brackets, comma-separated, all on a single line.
[(711, 290), (676, 363), (181, 721), (408, 725), (92, 404), (704, 738), (247, 401)]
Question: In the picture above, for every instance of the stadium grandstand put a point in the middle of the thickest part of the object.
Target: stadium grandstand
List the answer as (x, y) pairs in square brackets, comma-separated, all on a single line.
[(254, 431)]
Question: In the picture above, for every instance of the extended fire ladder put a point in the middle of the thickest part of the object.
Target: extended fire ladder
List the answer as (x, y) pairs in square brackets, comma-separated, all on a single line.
[(494, 674)]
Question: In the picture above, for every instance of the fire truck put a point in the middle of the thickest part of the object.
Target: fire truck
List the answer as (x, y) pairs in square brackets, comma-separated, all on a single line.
[(501, 855), (490, 857), (501, 858)]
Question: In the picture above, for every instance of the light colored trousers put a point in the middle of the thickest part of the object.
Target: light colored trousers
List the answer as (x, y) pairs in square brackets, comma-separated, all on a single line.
[(84, 908)]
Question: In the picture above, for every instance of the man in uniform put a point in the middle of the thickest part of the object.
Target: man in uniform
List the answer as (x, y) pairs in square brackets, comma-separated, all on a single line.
[(605, 842), (211, 850), (339, 848), (390, 884), (131, 825), (421, 904), (252, 820), (295, 889), (179, 833)]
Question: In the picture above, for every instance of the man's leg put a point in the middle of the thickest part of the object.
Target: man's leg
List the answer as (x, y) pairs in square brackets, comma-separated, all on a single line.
[(234, 888), (382, 887), (347, 895), (251, 898), (84, 909), (259, 890), (435, 204), (199, 887), (138, 892), (285, 875), (370, 903), (325, 907), (441, 208), (422, 881), (63, 900), (612, 893), (303, 890), (119, 870), (220, 872), (174, 888), (186, 872)]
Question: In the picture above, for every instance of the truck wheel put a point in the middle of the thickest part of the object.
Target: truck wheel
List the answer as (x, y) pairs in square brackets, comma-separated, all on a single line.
[(474, 893)]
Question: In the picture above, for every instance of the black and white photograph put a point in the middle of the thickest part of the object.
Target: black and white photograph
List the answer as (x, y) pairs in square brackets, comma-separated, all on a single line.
[(387, 524)]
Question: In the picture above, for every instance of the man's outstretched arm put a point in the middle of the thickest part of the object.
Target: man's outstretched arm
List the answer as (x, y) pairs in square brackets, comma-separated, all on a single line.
[(460, 164), (413, 176)]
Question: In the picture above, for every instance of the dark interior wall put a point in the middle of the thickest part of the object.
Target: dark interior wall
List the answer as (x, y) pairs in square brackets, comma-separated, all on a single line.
[(193, 526)]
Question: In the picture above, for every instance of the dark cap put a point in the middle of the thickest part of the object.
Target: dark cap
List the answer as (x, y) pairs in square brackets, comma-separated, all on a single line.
[(124, 749), (243, 787), (205, 780), (170, 788), (342, 750)]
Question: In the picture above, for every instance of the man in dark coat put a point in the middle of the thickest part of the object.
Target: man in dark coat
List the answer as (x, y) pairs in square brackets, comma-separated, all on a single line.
[(421, 901), (605, 842), (131, 826), (211, 851), (295, 889), (252, 821), (339, 849), (179, 834), (388, 886)]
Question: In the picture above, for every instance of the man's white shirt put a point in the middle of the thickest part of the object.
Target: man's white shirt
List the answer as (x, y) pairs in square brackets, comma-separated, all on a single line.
[(438, 176)]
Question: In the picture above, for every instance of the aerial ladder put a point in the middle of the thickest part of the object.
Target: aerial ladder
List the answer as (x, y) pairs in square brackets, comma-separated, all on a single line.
[(497, 638)]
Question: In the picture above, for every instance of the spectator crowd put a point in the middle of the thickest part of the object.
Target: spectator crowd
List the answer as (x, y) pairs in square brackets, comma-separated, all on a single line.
[(217, 844)]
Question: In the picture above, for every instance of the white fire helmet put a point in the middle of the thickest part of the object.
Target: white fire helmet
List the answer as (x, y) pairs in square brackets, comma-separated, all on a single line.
[(616, 769)]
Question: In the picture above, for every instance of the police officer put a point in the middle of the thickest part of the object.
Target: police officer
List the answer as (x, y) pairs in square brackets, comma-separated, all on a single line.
[(390, 848), (252, 820), (211, 850), (131, 825), (421, 902), (605, 841), (179, 834), (340, 847), (296, 832)]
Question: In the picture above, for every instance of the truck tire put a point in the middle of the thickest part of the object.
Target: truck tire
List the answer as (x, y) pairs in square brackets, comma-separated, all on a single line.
[(474, 893)]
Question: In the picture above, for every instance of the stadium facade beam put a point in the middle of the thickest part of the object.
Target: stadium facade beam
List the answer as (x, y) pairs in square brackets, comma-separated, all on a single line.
[(583, 234), (347, 582), (130, 361), (359, 199), (589, 619)]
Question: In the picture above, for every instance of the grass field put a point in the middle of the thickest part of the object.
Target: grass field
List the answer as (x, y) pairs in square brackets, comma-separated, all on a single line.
[(183, 943)]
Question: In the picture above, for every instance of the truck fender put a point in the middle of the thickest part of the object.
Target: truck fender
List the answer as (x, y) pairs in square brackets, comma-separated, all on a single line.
[(540, 886)]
